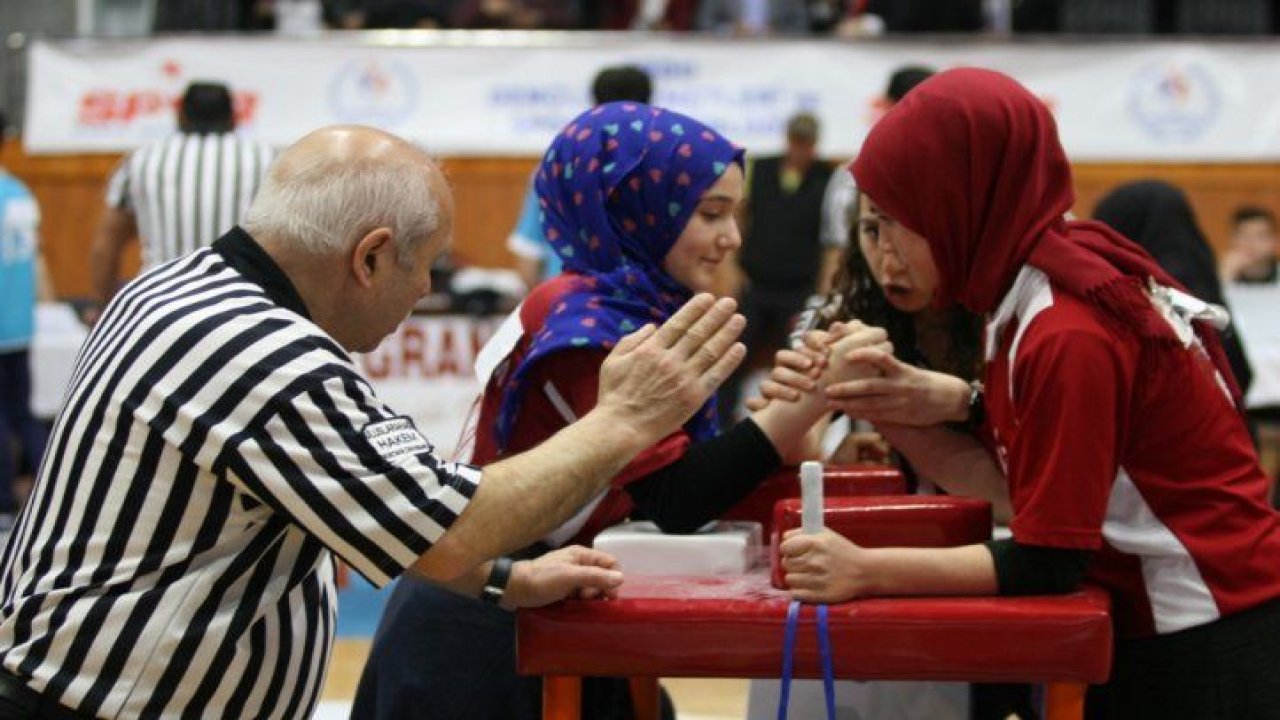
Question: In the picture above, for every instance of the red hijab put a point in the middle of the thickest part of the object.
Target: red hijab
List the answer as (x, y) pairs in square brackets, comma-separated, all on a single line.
[(971, 161)]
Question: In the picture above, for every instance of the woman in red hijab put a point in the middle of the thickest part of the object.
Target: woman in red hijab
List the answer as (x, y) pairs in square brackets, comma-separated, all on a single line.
[(1110, 414)]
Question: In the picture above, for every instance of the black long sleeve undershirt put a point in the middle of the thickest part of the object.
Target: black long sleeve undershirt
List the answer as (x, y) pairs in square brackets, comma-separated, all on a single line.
[(711, 477), (1035, 569)]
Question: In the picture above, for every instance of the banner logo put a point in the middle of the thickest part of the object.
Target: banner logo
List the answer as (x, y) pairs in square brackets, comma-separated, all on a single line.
[(1173, 101), (377, 91)]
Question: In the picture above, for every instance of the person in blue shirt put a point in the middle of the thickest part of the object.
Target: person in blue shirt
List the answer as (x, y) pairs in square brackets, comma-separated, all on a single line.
[(535, 260), (20, 271)]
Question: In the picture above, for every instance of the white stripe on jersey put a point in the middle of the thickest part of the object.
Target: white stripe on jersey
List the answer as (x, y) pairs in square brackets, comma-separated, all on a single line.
[(1177, 592), (1179, 596)]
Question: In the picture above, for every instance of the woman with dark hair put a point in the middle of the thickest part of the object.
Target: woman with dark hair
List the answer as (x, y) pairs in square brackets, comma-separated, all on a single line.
[(873, 287), (1158, 217), (939, 347)]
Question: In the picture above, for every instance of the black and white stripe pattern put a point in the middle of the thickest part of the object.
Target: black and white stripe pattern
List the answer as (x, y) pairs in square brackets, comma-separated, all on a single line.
[(174, 558), (187, 190)]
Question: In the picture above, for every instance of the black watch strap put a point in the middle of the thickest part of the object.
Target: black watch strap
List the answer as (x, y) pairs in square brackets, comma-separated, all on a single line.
[(496, 586), (977, 407), (977, 411)]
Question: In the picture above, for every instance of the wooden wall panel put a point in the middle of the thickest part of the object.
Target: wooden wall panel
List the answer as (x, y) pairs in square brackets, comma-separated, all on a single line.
[(69, 190), (489, 191), (1215, 189)]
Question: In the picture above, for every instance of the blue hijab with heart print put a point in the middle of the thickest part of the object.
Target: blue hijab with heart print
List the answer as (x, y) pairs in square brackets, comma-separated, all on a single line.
[(616, 189)]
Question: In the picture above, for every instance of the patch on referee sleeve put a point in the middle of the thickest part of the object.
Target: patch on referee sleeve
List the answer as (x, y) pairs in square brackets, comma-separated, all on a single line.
[(396, 438)]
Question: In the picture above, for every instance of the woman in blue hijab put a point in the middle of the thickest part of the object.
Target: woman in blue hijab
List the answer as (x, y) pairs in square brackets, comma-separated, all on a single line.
[(639, 202)]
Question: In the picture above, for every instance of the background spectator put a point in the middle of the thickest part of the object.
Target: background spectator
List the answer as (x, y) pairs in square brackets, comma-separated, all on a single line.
[(1251, 258), (404, 14), (1158, 216), (862, 17), (640, 14), (780, 249), (21, 280), (201, 15), (175, 212), (518, 14), (753, 17)]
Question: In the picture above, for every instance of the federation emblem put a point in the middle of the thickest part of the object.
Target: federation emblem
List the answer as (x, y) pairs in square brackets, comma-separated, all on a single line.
[(1175, 101), (373, 91)]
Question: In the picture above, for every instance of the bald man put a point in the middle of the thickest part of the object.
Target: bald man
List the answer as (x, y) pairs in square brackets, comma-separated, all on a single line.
[(218, 448)]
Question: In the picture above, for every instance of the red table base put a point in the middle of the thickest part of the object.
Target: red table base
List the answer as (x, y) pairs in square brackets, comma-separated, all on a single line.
[(732, 627), (561, 699)]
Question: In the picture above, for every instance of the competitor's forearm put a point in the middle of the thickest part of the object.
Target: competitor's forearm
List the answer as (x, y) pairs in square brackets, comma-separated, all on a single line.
[(523, 498), (955, 461)]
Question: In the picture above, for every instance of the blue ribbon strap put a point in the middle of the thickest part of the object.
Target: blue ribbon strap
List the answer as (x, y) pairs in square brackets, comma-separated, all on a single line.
[(828, 664), (788, 659)]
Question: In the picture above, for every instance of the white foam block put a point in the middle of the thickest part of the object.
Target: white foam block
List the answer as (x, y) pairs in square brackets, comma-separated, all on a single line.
[(725, 548)]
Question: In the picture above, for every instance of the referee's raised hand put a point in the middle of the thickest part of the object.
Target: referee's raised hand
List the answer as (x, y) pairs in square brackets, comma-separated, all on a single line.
[(656, 378)]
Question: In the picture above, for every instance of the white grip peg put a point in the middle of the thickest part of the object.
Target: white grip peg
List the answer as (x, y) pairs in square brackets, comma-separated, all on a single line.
[(811, 497)]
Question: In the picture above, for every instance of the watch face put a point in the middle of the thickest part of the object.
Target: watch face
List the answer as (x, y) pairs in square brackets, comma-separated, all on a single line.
[(977, 412)]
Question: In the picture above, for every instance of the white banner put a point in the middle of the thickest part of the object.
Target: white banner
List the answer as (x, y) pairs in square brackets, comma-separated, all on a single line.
[(424, 370), (1253, 310), (506, 94)]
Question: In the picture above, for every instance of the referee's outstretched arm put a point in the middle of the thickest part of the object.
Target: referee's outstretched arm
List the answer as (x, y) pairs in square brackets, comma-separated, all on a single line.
[(360, 288), (650, 384)]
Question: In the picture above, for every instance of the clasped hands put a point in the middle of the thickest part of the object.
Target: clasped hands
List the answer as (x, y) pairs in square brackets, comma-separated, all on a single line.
[(853, 366)]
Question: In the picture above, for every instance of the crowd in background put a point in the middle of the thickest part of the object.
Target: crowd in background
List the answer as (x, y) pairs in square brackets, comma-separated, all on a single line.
[(748, 17)]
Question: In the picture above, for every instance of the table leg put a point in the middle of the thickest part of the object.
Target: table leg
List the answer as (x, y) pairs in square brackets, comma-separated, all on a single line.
[(561, 697), (1064, 701), (646, 698)]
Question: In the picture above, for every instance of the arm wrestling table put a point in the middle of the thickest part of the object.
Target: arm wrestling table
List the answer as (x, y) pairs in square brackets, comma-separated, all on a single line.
[(732, 626), (672, 626)]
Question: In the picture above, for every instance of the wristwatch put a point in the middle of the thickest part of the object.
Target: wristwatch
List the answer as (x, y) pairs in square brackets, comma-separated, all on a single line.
[(496, 586), (977, 409)]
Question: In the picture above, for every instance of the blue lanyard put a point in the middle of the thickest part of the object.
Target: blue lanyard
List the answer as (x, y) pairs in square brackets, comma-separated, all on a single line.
[(788, 659)]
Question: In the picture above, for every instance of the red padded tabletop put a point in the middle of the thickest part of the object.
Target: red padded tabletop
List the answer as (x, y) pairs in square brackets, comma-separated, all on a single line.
[(681, 626), (890, 521)]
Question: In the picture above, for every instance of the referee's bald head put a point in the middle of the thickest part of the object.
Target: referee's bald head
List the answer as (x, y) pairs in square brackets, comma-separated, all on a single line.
[(329, 188), (355, 216)]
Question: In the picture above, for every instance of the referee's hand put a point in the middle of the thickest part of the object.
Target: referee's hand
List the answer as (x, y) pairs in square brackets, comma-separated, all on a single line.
[(656, 378), (572, 571)]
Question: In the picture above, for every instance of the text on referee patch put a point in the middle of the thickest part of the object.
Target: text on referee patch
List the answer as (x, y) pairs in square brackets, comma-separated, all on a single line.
[(396, 438)]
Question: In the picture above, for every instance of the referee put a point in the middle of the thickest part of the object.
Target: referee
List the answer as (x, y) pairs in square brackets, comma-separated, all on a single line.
[(179, 193), (217, 447)]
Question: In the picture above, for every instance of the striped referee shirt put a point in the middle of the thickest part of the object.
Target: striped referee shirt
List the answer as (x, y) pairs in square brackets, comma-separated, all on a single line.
[(214, 448), (187, 190)]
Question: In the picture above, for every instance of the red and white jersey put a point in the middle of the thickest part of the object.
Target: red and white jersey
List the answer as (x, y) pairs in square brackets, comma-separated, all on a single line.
[(1134, 452), (559, 389)]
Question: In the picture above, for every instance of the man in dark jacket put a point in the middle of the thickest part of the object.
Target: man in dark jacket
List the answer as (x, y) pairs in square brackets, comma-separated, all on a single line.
[(780, 249)]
